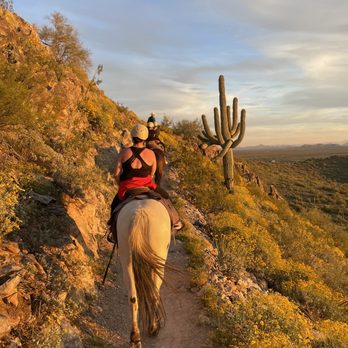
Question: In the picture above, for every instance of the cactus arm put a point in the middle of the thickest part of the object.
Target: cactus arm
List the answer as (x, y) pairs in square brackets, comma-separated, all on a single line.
[(217, 126), (234, 116), (229, 120), (242, 129), (207, 139), (223, 110), (236, 131), (203, 139), (207, 132), (224, 150)]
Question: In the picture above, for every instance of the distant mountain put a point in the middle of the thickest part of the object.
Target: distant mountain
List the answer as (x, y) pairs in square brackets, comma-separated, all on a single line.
[(277, 147)]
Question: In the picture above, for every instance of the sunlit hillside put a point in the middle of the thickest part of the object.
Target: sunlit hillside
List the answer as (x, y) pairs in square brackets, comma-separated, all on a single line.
[(299, 261), (269, 276), (320, 183)]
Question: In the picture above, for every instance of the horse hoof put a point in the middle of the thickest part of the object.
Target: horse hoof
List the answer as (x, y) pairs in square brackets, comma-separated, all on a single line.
[(135, 340)]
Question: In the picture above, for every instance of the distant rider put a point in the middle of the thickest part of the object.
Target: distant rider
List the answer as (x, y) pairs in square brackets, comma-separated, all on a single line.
[(152, 118), (153, 141)]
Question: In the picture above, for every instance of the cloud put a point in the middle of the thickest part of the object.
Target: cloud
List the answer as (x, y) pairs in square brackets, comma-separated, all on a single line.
[(285, 60)]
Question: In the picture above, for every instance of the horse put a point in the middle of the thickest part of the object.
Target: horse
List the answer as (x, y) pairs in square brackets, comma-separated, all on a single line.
[(143, 228), (160, 159), (161, 162)]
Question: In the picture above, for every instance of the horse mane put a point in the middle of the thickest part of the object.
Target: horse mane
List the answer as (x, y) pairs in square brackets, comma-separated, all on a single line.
[(145, 261)]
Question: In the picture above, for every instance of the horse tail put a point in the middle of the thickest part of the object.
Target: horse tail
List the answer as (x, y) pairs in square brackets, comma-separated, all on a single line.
[(146, 264)]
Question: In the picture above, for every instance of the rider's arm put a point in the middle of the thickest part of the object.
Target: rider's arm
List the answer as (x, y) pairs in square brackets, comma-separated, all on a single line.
[(118, 168)]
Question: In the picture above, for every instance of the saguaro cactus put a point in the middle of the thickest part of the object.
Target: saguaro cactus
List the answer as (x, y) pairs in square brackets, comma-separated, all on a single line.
[(229, 133)]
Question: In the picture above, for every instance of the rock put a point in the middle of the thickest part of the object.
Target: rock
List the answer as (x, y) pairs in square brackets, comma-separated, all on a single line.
[(9, 270), (126, 139), (62, 296), (263, 285), (210, 151), (195, 289), (214, 278), (15, 343), (8, 319), (44, 199), (273, 192), (9, 287), (13, 299), (85, 224), (236, 296), (32, 259), (11, 247), (194, 215)]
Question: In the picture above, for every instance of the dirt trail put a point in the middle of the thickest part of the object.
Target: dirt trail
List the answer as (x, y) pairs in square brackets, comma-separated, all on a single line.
[(107, 323)]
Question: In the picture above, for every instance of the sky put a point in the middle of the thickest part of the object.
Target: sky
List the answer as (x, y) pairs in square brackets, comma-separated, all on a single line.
[(285, 60)]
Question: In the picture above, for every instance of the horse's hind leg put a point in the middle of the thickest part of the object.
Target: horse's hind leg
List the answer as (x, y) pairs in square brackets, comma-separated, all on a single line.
[(135, 338), (128, 278)]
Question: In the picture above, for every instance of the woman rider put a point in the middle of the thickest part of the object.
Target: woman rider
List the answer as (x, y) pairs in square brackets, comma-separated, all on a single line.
[(135, 167)]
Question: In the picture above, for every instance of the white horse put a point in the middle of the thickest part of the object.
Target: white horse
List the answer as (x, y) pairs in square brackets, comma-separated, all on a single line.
[(143, 229)]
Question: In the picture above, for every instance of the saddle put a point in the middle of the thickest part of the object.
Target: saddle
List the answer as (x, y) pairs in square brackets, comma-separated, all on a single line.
[(139, 193)]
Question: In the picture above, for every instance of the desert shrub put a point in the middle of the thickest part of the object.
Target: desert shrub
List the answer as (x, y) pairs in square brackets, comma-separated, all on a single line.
[(99, 116), (14, 98), (337, 232), (245, 245), (317, 299), (63, 39), (6, 4), (313, 245), (68, 171), (167, 124), (289, 273), (9, 198), (264, 320), (332, 334), (189, 130), (200, 178)]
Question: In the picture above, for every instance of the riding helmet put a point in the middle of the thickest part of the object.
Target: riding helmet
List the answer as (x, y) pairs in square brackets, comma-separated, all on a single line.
[(140, 131)]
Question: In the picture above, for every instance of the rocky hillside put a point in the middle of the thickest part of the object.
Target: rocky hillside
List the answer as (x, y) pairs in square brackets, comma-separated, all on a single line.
[(269, 276), (57, 134)]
